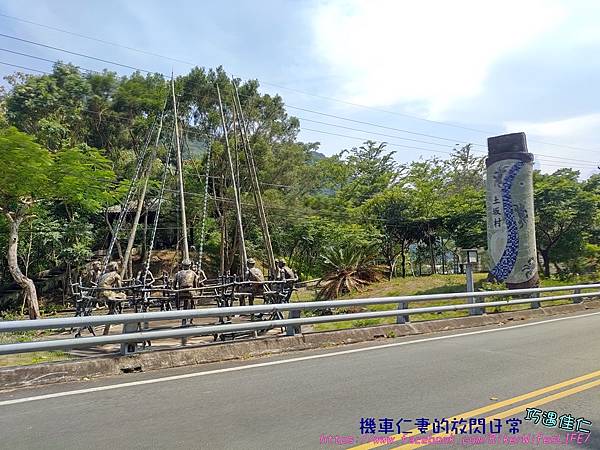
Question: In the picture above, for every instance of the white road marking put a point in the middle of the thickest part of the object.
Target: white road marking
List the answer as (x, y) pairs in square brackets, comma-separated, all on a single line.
[(275, 363)]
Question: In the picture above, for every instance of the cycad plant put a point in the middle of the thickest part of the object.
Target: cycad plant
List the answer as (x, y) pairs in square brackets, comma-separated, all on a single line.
[(348, 269)]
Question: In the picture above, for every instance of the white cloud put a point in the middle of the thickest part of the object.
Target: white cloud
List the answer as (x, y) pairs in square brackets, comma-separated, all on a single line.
[(428, 51), (572, 129), (573, 142)]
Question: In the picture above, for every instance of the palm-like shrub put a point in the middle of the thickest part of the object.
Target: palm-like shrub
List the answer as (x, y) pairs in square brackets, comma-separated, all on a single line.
[(348, 269)]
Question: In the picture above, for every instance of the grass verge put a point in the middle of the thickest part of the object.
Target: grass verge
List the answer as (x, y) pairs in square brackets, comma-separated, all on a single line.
[(436, 284)]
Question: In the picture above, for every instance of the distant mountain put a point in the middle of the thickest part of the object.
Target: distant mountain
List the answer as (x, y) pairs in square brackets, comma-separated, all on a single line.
[(194, 147), (316, 156)]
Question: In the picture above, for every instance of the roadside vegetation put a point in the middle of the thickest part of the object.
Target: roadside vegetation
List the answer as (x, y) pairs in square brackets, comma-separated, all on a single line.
[(27, 358), (70, 144), (435, 284)]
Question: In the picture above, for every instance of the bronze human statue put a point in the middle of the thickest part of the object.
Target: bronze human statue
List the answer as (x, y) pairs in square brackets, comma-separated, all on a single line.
[(111, 279), (145, 277), (255, 275), (94, 274), (201, 275), (186, 278), (285, 272), (165, 304), (165, 280)]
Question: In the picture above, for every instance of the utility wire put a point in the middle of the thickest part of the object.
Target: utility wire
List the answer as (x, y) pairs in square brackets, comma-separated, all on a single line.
[(423, 142), (263, 82), (43, 59), (82, 55), (60, 30), (590, 163), (331, 99), (22, 67)]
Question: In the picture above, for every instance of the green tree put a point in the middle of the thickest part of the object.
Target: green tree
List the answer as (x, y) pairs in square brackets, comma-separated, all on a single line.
[(426, 184), (565, 212), (393, 210), (25, 180), (371, 169), (33, 176)]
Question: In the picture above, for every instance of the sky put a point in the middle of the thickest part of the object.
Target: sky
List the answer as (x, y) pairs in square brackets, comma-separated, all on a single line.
[(421, 75)]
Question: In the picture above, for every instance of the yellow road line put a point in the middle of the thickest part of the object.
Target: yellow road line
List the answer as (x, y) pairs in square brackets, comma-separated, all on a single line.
[(516, 409), (491, 407)]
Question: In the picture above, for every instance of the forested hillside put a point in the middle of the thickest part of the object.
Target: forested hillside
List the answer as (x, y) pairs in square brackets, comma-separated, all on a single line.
[(71, 142)]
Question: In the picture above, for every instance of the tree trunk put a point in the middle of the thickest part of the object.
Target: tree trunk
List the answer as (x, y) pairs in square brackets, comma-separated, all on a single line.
[(130, 268), (232, 251), (403, 263), (432, 255), (546, 259), (66, 283), (222, 247), (443, 256), (392, 268), (145, 238), (26, 283), (556, 267)]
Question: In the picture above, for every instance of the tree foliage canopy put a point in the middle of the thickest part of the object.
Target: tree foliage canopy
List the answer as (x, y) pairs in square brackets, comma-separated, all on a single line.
[(70, 144)]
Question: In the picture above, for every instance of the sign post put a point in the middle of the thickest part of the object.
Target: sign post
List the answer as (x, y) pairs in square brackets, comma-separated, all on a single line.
[(471, 259)]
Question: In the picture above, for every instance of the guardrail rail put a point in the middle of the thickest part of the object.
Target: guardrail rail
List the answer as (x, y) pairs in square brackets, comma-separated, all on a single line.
[(134, 333)]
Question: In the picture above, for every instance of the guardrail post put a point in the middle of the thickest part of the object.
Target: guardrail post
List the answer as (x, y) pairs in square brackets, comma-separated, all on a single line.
[(471, 288), (129, 348), (535, 304), (291, 330), (402, 318), (577, 299)]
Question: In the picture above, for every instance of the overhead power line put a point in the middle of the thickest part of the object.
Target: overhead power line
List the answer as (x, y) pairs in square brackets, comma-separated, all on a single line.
[(421, 118), (417, 140), (82, 55), (591, 163), (394, 144), (332, 99), (39, 58), (115, 44), (22, 67)]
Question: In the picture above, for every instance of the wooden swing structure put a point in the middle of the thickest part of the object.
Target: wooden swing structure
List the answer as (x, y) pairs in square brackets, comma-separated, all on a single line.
[(146, 293)]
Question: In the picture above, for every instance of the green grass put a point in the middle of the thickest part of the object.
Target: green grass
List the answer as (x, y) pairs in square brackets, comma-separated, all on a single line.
[(436, 284), (24, 359)]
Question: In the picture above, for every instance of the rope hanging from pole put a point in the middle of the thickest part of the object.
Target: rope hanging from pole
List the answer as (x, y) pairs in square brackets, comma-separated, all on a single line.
[(125, 205), (243, 255), (254, 178), (186, 254), (203, 226), (156, 216), (142, 197), (200, 178)]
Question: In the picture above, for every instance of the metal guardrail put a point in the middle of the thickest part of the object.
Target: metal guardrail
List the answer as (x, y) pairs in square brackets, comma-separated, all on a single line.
[(133, 334)]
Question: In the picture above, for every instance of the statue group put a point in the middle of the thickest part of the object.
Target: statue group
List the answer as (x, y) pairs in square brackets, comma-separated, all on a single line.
[(109, 287)]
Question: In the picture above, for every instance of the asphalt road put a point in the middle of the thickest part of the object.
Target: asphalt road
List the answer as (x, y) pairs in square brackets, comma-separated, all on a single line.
[(292, 401)]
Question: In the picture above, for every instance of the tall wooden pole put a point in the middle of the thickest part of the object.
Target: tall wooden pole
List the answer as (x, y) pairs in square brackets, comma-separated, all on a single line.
[(238, 208), (254, 177), (186, 252), (140, 205)]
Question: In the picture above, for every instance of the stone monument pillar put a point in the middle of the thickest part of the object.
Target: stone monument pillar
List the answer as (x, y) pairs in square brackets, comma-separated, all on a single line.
[(510, 215)]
